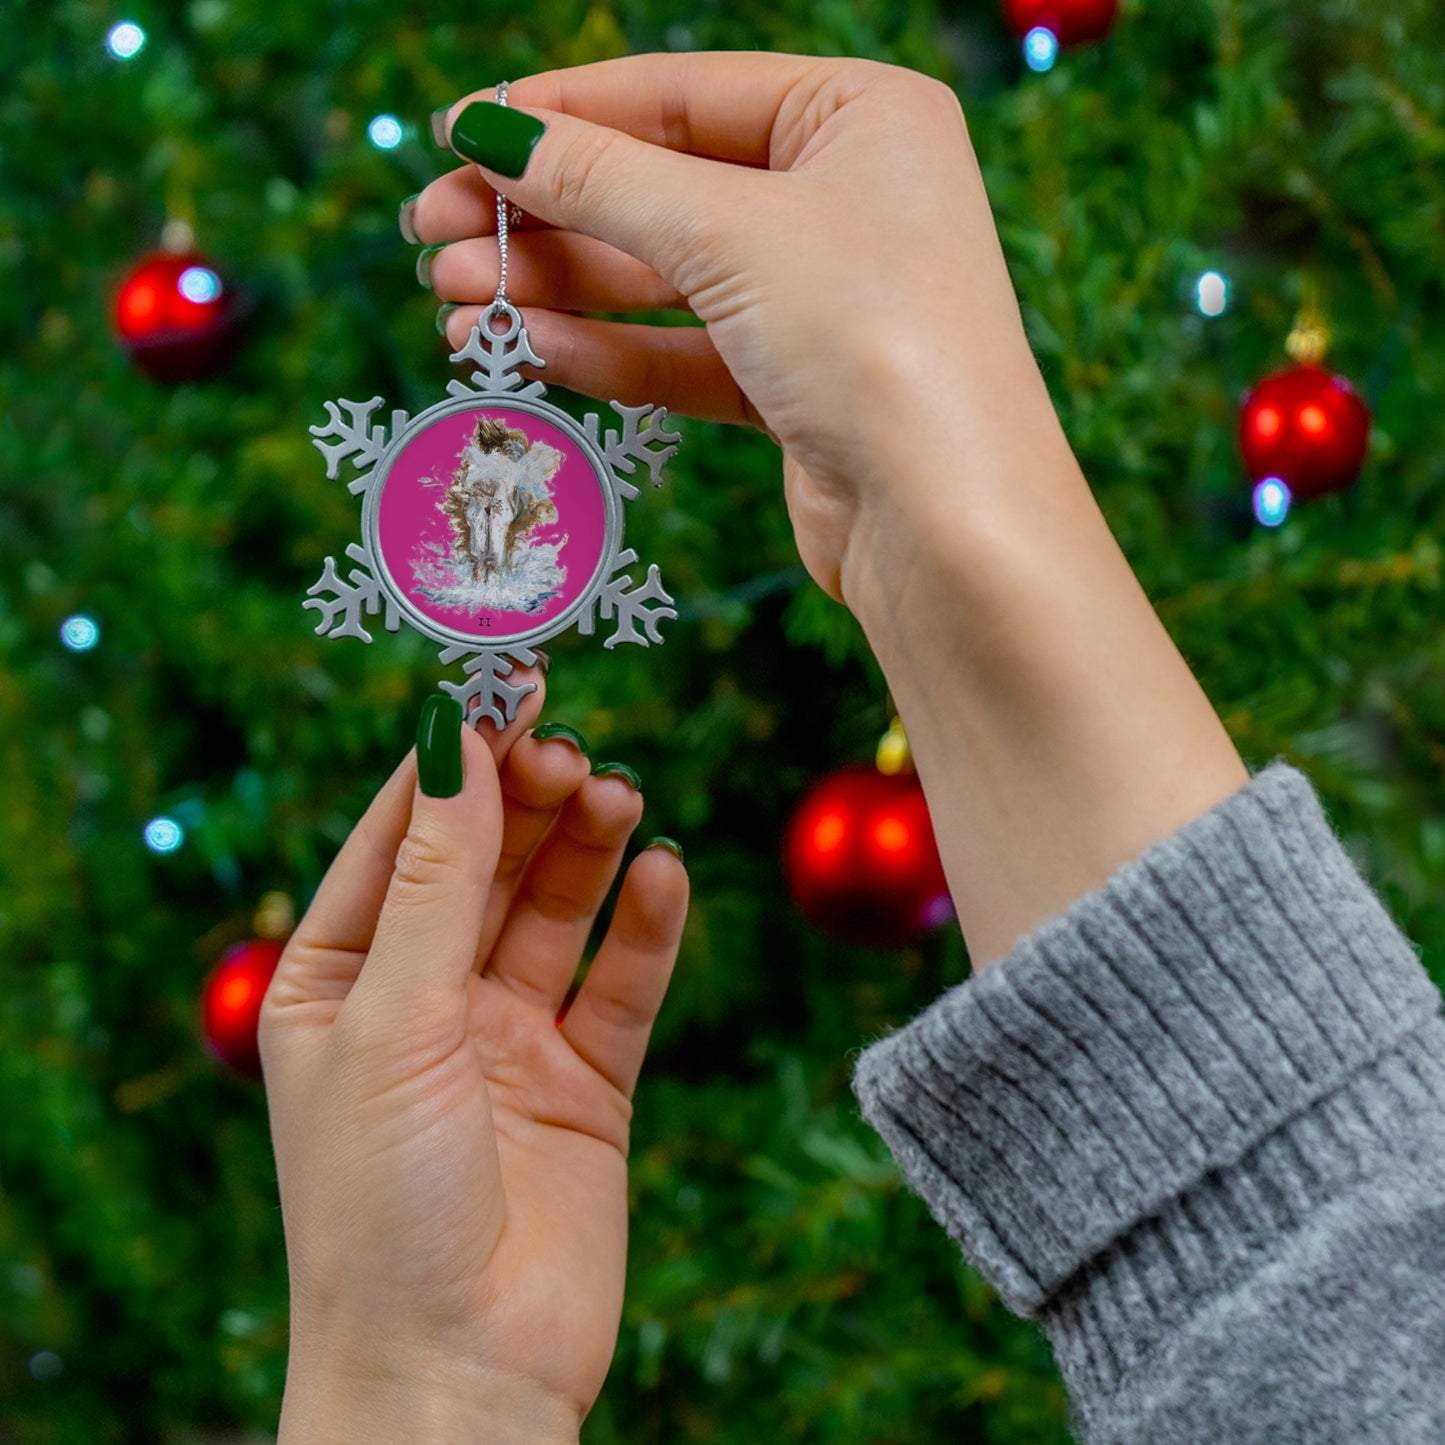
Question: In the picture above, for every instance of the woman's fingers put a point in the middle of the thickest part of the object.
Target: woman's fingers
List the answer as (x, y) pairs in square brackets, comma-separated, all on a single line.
[(647, 201), (725, 105), (564, 887), (673, 366), (539, 776), (556, 269), (611, 1019), (461, 204), (324, 954), (425, 938)]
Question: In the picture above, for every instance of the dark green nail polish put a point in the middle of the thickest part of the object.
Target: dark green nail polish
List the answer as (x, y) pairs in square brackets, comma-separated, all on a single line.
[(671, 844), (619, 770), (443, 312), (405, 222), (496, 136), (439, 746), (561, 730), (439, 125), (423, 263)]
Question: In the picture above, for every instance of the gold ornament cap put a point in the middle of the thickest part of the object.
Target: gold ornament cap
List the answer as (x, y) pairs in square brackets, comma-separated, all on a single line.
[(894, 755), (275, 916)]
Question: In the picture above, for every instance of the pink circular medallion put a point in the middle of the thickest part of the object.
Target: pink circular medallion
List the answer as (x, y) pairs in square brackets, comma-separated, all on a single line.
[(492, 523)]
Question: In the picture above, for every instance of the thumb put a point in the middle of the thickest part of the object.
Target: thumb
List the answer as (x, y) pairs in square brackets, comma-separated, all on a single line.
[(651, 202), (425, 941)]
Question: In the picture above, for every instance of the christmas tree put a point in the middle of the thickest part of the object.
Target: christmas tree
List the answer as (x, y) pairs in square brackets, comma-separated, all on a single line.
[(178, 744)]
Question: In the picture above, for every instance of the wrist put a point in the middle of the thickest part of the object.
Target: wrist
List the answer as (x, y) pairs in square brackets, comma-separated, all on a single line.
[(951, 479), (1057, 730), (335, 1401)]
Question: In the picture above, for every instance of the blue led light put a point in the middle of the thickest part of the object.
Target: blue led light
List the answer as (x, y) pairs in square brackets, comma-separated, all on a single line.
[(385, 132), (199, 284), (125, 40), (79, 633), (1041, 48), (1211, 293), (1271, 502), (164, 835)]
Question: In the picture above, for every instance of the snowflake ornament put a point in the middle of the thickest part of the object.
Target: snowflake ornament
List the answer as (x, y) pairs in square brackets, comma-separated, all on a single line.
[(492, 521)]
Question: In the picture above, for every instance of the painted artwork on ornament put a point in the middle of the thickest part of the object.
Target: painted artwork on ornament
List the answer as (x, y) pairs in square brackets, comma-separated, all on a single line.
[(491, 523)]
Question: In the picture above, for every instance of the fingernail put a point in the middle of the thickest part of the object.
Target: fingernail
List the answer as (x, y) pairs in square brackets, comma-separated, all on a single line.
[(442, 313), (496, 136), (423, 263), (543, 661), (671, 844), (439, 746), (404, 220), (620, 770), (561, 730), (439, 125)]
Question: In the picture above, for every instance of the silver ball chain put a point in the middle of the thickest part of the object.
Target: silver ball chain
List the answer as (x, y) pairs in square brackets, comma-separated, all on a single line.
[(501, 299)]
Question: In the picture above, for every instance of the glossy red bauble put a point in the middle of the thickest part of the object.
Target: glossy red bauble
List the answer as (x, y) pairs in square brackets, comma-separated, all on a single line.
[(861, 860), (1306, 427), (1073, 22), (231, 1003), (176, 317)]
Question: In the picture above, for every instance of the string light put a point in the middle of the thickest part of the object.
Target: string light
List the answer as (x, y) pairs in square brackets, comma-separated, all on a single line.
[(1041, 48), (385, 132), (199, 284), (164, 835), (1212, 293), (79, 633), (126, 40), (1271, 502)]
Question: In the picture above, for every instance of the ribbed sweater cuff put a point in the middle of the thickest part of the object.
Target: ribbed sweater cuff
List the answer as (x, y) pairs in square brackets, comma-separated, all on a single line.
[(1224, 982)]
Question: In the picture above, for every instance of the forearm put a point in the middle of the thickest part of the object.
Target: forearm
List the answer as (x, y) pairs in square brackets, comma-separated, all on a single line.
[(1057, 730)]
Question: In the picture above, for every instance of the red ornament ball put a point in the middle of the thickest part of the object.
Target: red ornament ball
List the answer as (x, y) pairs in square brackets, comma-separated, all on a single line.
[(861, 860), (1073, 22), (1306, 427), (231, 1003), (176, 317)]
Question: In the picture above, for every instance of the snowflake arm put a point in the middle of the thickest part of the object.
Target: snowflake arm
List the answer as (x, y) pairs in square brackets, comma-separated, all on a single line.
[(359, 440), (485, 688), (643, 438), (629, 606), (349, 600), (498, 355)]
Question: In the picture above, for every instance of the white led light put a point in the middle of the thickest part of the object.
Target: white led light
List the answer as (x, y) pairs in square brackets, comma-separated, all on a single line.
[(1271, 502), (125, 40), (199, 284), (385, 132), (1041, 48), (79, 633), (1212, 293), (164, 835)]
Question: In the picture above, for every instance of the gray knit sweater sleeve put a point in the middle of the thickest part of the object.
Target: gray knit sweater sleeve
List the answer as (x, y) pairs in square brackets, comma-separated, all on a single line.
[(1196, 1127)]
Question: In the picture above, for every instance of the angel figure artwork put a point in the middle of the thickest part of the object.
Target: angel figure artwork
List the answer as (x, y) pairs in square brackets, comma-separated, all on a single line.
[(497, 500)]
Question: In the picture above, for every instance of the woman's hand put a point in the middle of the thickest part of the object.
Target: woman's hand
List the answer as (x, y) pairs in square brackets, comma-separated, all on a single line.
[(828, 222), (452, 1158)]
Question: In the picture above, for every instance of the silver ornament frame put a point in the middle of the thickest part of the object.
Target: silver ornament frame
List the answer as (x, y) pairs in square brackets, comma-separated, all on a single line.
[(614, 456)]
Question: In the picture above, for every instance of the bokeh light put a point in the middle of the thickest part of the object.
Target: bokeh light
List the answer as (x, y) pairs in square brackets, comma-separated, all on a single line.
[(385, 132), (1041, 48), (1271, 502), (164, 835), (126, 40), (79, 633), (1212, 294), (199, 284)]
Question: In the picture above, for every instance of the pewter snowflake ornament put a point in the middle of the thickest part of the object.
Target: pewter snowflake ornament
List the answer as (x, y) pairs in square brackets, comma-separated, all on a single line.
[(492, 521)]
